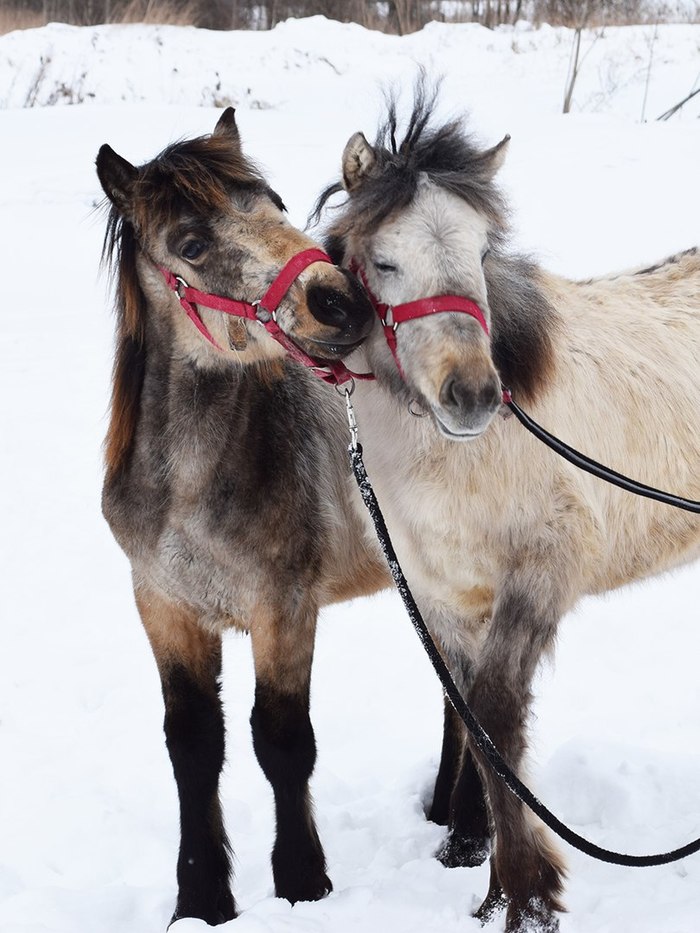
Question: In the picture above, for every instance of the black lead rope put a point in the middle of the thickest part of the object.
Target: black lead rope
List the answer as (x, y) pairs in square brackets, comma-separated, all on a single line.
[(478, 734), (597, 469)]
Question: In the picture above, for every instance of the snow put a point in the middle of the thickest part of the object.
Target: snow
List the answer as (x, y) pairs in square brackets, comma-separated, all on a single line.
[(88, 810)]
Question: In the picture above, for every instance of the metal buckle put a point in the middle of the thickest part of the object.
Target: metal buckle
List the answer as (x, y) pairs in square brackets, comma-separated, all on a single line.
[(259, 308)]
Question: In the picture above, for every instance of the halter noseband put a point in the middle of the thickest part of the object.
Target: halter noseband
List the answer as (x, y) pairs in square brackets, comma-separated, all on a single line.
[(263, 312), (391, 316)]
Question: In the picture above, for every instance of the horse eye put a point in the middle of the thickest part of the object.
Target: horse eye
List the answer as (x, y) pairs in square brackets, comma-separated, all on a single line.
[(192, 249), (384, 267)]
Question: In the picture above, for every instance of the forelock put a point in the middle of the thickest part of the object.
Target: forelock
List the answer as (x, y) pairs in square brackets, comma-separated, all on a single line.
[(197, 176), (445, 154)]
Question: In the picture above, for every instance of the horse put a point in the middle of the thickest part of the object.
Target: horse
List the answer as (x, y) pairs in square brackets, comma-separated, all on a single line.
[(498, 537), (225, 484)]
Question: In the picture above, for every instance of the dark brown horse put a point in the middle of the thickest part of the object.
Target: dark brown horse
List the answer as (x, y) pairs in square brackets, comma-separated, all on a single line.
[(226, 481)]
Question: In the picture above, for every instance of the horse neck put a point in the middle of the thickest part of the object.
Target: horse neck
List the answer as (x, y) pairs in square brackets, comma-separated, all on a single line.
[(164, 399)]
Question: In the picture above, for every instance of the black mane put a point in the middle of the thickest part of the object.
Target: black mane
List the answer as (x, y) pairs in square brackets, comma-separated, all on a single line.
[(445, 154)]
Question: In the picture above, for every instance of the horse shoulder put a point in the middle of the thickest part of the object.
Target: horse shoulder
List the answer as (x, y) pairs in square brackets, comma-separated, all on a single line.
[(464, 515)]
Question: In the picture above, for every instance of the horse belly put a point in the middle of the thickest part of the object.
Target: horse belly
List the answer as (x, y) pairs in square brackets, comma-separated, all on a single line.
[(647, 539)]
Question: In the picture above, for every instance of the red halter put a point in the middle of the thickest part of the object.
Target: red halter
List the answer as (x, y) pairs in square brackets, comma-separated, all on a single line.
[(335, 372), (393, 315)]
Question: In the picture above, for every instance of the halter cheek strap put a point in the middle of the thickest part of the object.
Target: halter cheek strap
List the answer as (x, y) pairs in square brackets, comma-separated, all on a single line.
[(262, 312)]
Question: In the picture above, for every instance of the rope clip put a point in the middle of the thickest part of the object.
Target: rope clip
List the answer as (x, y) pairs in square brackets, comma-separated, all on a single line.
[(347, 391)]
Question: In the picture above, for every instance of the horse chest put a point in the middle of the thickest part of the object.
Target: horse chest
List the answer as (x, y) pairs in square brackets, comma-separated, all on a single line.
[(445, 540), (439, 520), (237, 520)]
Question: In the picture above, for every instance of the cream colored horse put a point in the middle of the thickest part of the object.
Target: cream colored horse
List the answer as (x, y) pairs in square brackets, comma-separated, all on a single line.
[(498, 536)]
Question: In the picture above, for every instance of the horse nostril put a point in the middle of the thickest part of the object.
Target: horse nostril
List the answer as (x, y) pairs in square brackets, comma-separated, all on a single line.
[(463, 397), (350, 313), (454, 394), (491, 395), (327, 305)]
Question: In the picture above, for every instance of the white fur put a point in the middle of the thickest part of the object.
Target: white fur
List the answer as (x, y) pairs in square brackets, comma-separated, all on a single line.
[(499, 537)]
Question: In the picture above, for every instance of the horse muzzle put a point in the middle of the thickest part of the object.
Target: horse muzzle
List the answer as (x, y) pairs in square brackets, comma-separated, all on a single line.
[(465, 407), (344, 312)]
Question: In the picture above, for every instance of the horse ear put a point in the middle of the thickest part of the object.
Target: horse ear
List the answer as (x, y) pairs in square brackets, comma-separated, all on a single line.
[(226, 125), (117, 177), (358, 160), (489, 162)]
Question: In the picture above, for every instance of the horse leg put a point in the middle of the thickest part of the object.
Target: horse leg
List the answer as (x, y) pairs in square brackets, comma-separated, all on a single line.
[(525, 864), (450, 756), (284, 743), (459, 799), (189, 663)]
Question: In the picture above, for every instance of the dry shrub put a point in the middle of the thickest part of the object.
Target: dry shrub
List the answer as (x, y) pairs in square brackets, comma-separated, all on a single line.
[(596, 13), (161, 12), (19, 18), (396, 16), (24, 14)]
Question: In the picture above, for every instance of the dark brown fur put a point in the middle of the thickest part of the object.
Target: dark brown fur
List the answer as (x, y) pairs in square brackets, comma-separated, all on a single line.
[(227, 488)]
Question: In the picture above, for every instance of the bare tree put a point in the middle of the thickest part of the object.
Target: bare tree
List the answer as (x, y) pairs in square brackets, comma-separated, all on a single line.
[(397, 16)]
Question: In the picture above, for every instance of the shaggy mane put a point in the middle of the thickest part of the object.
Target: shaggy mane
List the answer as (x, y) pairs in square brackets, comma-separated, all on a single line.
[(445, 154)]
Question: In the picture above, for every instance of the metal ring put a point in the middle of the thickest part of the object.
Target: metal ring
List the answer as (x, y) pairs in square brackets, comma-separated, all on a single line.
[(347, 388), (418, 411)]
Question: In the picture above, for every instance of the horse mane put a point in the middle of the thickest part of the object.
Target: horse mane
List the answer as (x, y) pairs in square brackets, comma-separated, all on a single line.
[(119, 254), (193, 177), (523, 318), (523, 324), (445, 154)]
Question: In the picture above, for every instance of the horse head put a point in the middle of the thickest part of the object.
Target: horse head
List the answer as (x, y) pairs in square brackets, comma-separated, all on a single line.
[(419, 224), (201, 214)]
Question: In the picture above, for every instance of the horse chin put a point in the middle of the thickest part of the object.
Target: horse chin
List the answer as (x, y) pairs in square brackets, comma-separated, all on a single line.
[(328, 351), (459, 432)]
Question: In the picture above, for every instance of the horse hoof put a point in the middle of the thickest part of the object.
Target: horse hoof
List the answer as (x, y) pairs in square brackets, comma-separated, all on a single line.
[(536, 917), (305, 889), (318, 889), (463, 851), (494, 903), (224, 911)]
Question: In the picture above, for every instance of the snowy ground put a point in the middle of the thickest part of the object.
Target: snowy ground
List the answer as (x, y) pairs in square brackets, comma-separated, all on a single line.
[(88, 824)]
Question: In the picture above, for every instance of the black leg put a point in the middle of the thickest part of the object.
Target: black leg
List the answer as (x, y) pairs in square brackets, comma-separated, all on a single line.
[(189, 662), (459, 797), (284, 744), (450, 757), (468, 841), (194, 731)]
